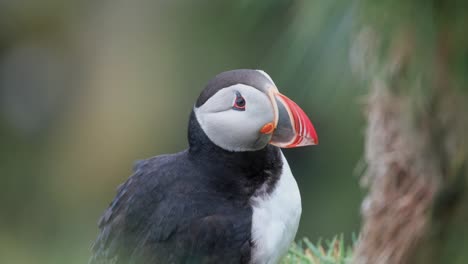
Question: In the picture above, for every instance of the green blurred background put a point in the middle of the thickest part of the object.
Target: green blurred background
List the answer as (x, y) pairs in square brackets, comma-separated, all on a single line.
[(88, 87)]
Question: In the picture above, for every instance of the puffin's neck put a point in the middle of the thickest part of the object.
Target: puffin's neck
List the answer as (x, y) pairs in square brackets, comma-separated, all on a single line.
[(250, 162)]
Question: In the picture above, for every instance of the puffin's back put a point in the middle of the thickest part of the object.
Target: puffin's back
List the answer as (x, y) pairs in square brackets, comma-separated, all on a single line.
[(164, 213)]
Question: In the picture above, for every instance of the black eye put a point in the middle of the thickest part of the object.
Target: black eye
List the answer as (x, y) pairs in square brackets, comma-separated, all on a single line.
[(239, 103)]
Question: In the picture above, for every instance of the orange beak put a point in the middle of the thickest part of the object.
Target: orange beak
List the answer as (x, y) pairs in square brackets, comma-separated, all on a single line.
[(293, 127)]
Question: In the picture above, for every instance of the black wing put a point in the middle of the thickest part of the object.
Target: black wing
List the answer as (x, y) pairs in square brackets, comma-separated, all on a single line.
[(160, 215)]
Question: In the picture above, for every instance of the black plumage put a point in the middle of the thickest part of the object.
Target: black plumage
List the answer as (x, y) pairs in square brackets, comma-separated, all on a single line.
[(189, 207), (252, 78)]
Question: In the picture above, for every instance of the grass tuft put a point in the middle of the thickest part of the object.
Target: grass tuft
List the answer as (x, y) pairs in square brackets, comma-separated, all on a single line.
[(323, 252)]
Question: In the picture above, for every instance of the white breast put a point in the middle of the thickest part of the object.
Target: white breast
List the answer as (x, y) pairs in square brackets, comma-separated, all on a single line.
[(275, 219)]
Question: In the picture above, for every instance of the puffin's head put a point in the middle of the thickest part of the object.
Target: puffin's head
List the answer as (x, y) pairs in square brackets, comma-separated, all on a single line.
[(242, 110)]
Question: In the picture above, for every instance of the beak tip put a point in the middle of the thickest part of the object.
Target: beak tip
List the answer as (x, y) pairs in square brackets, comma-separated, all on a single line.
[(314, 137)]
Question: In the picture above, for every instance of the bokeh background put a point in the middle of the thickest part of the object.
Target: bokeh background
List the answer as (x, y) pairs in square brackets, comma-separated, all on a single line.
[(88, 87)]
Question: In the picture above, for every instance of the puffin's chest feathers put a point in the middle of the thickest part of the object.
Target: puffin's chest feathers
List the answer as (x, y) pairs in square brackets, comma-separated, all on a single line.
[(275, 218), (255, 173), (262, 181)]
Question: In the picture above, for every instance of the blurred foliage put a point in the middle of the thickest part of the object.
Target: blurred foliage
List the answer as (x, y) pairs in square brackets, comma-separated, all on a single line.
[(424, 24), (413, 54), (88, 87)]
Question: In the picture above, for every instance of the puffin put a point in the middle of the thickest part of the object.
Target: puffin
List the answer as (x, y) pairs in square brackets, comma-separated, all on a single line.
[(230, 197)]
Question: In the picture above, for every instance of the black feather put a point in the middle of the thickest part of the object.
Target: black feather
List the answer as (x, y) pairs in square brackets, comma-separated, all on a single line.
[(189, 207)]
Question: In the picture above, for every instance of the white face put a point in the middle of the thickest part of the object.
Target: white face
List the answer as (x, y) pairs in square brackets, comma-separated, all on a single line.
[(234, 128)]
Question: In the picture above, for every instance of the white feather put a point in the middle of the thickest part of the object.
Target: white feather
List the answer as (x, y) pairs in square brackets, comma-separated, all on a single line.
[(275, 219)]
